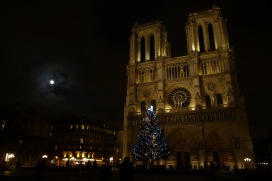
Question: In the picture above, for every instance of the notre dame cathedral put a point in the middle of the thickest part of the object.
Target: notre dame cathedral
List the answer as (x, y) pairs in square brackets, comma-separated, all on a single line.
[(196, 97)]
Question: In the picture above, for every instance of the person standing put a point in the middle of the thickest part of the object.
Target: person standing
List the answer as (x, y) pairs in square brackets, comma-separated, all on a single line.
[(95, 166), (126, 170), (105, 172), (88, 168)]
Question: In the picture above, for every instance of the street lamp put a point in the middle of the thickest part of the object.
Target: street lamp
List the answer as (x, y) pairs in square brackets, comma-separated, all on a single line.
[(19, 149), (132, 138), (247, 160)]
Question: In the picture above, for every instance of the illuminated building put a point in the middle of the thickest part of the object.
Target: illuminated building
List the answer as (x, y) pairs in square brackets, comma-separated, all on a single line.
[(196, 97), (80, 140)]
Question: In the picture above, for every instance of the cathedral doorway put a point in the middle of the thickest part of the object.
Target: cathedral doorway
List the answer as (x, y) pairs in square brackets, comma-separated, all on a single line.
[(216, 158)]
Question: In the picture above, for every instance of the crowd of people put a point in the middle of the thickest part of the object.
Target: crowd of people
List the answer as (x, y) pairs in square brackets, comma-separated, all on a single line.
[(125, 169)]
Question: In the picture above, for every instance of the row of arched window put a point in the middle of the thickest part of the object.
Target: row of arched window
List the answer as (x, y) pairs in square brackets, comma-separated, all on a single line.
[(177, 118), (182, 70)]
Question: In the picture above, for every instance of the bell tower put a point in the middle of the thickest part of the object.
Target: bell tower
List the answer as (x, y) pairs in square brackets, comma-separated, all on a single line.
[(148, 42), (207, 32), (149, 47)]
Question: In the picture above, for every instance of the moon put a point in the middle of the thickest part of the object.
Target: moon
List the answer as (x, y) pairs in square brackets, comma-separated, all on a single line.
[(52, 82)]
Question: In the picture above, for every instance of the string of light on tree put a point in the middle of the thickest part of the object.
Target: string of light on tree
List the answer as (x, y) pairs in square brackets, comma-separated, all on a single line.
[(151, 143)]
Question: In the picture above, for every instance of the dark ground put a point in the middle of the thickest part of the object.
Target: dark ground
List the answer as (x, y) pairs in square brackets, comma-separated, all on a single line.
[(162, 175)]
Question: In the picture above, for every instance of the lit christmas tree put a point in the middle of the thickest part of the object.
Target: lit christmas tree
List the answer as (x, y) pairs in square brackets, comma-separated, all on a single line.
[(151, 142)]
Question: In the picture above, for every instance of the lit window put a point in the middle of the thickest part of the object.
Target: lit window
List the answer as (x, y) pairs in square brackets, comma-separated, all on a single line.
[(82, 126), (81, 140), (71, 126)]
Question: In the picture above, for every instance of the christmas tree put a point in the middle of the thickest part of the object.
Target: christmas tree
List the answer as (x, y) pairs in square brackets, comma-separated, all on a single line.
[(151, 142)]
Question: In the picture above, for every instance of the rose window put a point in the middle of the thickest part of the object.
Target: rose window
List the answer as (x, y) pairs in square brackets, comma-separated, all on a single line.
[(179, 98)]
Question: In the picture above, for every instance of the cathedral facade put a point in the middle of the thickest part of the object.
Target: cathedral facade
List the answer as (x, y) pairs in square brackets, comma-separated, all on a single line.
[(196, 97)]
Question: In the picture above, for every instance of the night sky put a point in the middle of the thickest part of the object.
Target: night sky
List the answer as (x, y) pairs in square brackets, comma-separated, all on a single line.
[(84, 47)]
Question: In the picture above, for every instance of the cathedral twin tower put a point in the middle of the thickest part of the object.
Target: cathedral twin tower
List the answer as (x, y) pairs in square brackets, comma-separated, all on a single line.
[(196, 97)]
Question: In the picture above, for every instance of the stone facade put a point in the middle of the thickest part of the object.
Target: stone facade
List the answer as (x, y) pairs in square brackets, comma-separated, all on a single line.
[(196, 97)]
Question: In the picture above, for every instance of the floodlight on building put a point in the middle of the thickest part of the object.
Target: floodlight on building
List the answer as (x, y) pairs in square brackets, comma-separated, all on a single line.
[(9, 156)]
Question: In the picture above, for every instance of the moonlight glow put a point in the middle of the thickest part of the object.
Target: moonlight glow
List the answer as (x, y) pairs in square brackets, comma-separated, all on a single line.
[(52, 82)]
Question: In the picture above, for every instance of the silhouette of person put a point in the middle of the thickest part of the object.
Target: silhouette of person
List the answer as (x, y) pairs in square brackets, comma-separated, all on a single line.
[(68, 164), (88, 167), (40, 170), (95, 166), (126, 170), (105, 172), (81, 168), (213, 170)]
